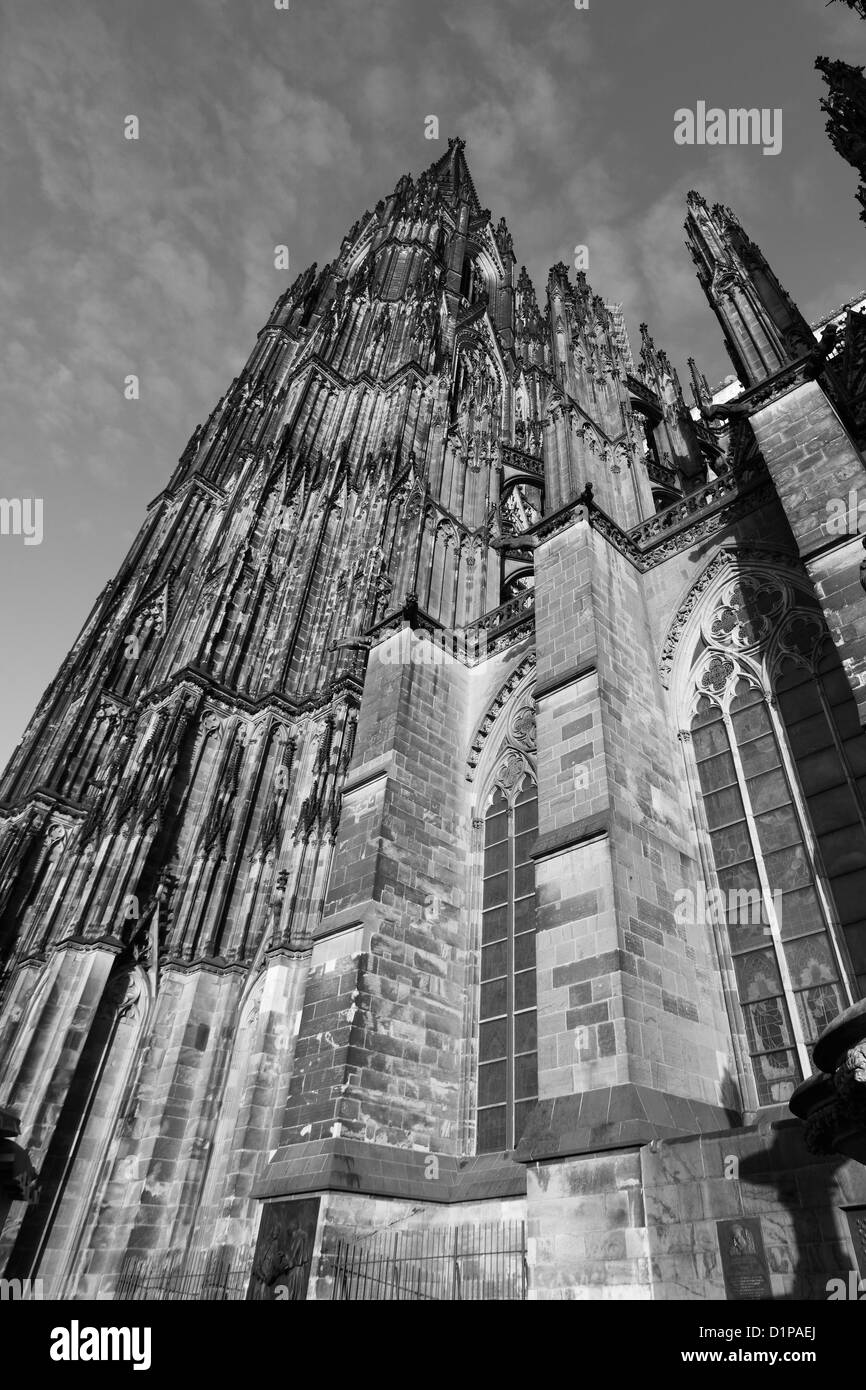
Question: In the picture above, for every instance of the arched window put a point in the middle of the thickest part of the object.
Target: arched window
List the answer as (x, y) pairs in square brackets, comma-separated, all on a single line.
[(520, 508), (829, 748), (522, 582), (776, 746), (507, 1046)]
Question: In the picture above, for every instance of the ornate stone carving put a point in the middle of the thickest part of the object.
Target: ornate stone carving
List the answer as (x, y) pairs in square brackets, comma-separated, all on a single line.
[(850, 1081), (489, 720), (726, 558), (747, 612), (121, 995), (511, 772), (716, 673), (522, 726), (802, 633), (833, 1101)]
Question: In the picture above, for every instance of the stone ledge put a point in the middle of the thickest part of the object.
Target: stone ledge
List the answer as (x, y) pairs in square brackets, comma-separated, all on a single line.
[(614, 1117), (589, 828), (558, 682), (366, 776), (377, 1170)]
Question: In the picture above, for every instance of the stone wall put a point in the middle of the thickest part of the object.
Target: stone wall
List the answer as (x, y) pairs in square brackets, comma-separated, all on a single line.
[(626, 995), (762, 1171), (587, 1229), (815, 467)]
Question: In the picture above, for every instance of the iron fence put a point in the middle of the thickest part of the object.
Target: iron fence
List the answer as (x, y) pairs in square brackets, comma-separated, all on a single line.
[(205, 1275), (436, 1264)]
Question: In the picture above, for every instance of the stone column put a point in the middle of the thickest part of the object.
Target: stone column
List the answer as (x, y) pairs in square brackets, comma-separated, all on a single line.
[(821, 482), (381, 1035)]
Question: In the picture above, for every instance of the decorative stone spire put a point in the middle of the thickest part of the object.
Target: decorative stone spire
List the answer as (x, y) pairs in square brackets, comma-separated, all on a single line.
[(764, 330)]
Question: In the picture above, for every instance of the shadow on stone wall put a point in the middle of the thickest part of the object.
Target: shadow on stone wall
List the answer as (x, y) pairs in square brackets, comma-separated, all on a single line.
[(761, 1172), (808, 1248)]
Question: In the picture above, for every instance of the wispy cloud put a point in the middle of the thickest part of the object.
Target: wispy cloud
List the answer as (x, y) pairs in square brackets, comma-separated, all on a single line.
[(260, 127)]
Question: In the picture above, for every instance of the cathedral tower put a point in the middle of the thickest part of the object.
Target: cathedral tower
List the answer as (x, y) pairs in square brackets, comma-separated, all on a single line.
[(354, 867)]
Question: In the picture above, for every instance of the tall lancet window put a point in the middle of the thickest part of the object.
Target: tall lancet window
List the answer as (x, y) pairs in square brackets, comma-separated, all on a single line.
[(507, 1045), (784, 819)]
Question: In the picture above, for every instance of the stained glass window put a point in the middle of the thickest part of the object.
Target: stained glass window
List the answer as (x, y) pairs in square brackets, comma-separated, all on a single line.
[(507, 1046), (787, 971)]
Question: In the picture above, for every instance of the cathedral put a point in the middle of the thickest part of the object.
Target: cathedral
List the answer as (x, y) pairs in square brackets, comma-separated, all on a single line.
[(433, 866)]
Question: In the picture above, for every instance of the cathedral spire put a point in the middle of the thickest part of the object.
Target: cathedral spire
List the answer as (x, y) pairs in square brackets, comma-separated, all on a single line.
[(764, 330), (451, 173), (675, 438)]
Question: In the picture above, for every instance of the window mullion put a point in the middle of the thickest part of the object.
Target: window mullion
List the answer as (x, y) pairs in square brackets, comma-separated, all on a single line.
[(839, 744), (720, 931), (813, 854), (770, 906)]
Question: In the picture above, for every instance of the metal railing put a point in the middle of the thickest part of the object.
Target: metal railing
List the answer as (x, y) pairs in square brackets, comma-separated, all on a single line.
[(515, 457), (713, 494), (434, 1264), (483, 631), (204, 1276)]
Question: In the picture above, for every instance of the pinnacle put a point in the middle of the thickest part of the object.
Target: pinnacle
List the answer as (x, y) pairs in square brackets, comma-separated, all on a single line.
[(451, 171)]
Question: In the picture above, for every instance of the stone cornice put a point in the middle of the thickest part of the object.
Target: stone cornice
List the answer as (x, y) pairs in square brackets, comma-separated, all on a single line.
[(45, 800), (195, 678), (349, 1165), (595, 827), (678, 527), (491, 714)]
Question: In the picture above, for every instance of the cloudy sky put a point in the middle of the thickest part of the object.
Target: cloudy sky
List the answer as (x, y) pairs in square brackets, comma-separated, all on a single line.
[(261, 126)]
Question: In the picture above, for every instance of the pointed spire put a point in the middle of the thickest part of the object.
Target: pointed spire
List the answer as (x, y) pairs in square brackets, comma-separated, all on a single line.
[(619, 335), (674, 437), (655, 366), (504, 239), (700, 386), (451, 172), (557, 280), (764, 330), (526, 302), (647, 352)]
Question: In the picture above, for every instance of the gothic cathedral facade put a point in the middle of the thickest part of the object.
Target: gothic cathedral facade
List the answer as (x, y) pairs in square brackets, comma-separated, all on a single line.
[(378, 855)]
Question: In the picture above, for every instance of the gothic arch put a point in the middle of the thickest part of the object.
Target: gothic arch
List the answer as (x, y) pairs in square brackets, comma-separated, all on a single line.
[(723, 565), (762, 703), (471, 338), (439, 595), (500, 1070), (520, 679)]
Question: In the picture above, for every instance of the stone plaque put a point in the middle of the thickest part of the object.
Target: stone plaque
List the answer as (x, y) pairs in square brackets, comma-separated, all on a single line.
[(744, 1262), (857, 1226), (284, 1251)]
